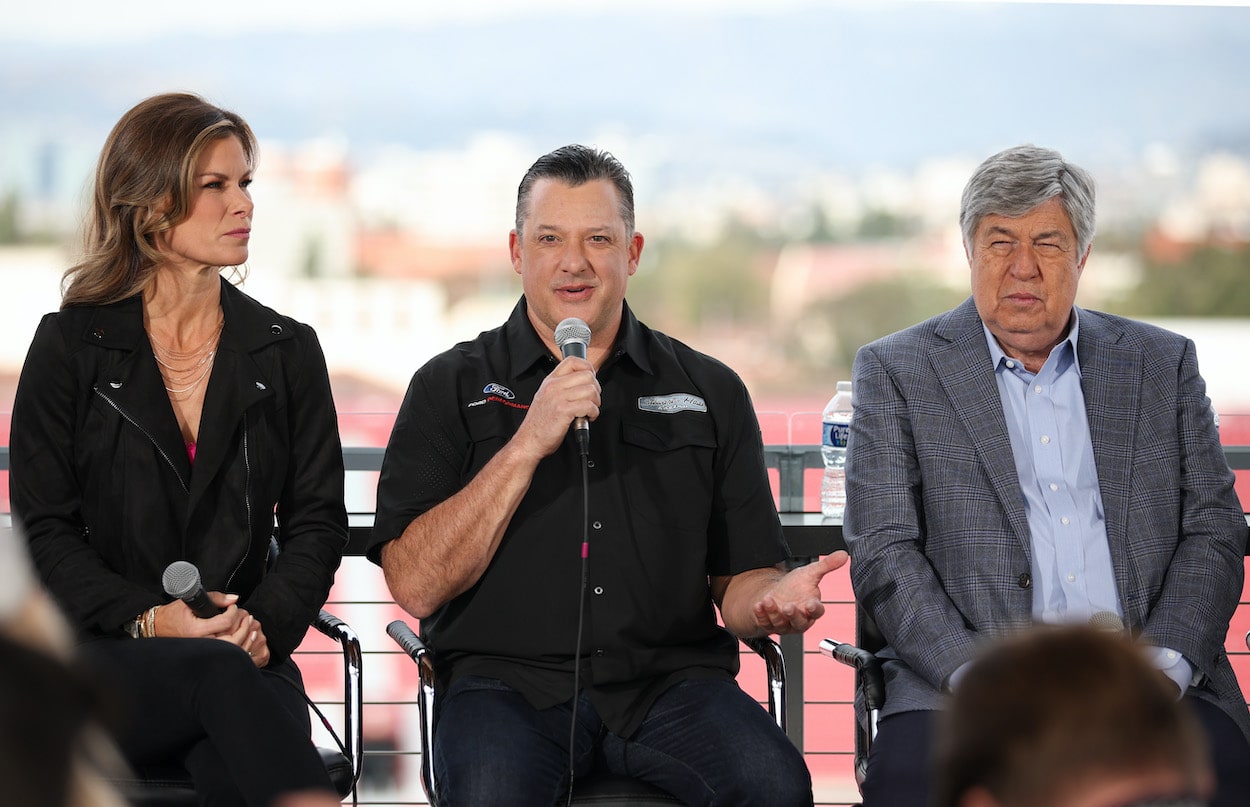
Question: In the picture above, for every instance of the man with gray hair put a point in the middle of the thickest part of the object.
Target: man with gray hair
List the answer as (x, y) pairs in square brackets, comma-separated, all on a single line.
[(1020, 460)]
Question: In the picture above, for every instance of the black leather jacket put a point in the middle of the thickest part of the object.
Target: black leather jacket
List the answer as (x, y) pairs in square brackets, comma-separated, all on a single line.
[(101, 481)]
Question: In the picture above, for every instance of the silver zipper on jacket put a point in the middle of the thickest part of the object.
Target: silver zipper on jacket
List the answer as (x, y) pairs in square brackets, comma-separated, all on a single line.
[(247, 504), (146, 433)]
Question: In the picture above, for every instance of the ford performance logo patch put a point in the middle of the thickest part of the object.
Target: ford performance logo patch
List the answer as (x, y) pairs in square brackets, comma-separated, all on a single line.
[(668, 404), (498, 389)]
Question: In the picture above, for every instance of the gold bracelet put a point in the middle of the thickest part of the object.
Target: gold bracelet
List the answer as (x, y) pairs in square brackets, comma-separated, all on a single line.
[(149, 623)]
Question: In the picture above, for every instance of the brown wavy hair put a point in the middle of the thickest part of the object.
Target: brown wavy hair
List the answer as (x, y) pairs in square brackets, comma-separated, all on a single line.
[(143, 187)]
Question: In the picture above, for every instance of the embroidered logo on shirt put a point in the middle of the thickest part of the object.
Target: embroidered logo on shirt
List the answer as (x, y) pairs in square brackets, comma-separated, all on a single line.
[(668, 404), (497, 393)]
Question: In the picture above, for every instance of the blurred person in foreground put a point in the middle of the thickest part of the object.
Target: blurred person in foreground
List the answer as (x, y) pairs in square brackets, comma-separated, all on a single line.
[(1020, 460), (1071, 716), (52, 750), (163, 415), (480, 519)]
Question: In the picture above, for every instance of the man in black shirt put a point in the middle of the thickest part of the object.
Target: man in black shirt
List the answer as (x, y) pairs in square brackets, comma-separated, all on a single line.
[(486, 532)]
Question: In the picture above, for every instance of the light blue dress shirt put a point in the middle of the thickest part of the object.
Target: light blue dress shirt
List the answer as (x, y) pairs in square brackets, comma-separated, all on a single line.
[(1073, 577)]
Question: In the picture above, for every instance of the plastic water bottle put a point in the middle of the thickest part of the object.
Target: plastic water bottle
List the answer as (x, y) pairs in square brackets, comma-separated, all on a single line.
[(837, 428)]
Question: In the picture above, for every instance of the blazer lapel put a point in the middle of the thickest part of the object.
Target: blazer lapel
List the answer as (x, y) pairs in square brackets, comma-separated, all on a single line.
[(133, 385), (236, 384), (1111, 377), (963, 366)]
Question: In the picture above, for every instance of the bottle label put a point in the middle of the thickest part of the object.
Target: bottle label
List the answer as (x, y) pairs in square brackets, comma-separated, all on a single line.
[(836, 434)]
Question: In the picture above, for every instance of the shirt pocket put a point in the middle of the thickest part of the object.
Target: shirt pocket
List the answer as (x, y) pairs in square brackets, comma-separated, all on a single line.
[(668, 469), (489, 430)]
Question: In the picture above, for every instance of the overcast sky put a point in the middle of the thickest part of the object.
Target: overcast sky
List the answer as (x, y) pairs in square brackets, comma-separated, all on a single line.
[(76, 21)]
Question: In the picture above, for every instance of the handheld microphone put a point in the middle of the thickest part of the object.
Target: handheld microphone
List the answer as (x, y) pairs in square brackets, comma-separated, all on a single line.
[(182, 581), (1107, 620), (573, 337)]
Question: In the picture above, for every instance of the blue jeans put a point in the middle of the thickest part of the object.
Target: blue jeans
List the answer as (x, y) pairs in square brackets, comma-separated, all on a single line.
[(706, 742)]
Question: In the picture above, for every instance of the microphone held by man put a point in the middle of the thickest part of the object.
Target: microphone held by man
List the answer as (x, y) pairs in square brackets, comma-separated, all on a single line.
[(573, 338)]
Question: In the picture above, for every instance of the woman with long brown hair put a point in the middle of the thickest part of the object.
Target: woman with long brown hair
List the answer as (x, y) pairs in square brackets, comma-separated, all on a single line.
[(163, 415)]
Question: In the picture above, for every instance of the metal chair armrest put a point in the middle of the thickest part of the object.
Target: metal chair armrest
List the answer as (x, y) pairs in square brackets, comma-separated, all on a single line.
[(870, 689), (872, 679), (353, 691), (423, 656), (775, 665)]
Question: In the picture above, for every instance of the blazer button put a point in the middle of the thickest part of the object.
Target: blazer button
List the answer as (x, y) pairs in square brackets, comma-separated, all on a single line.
[(276, 330), (1025, 580), (98, 333)]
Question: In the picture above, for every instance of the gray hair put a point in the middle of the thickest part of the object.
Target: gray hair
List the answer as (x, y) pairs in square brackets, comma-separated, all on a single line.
[(576, 165), (1016, 180)]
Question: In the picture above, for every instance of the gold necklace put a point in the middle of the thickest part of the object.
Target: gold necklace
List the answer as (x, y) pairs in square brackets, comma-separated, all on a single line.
[(169, 378), (177, 379), (165, 364), (174, 355)]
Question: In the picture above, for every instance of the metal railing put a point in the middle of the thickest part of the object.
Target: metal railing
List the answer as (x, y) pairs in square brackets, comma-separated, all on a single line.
[(822, 703), (809, 535), (790, 461)]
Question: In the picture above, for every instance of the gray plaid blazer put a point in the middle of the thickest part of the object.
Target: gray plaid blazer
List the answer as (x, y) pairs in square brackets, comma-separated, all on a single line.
[(935, 520)]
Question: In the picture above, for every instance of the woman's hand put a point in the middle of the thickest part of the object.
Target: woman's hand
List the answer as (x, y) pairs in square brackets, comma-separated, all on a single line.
[(176, 619), (233, 624), (251, 637)]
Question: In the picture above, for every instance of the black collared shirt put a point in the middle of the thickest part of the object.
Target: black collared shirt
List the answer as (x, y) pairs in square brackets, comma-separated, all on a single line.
[(678, 492)]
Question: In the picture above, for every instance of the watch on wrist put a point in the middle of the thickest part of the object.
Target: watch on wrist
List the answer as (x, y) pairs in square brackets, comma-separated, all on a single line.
[(134, 627)]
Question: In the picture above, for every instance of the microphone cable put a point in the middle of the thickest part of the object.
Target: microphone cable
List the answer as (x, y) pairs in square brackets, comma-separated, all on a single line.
[(325, 721), (581, 613)]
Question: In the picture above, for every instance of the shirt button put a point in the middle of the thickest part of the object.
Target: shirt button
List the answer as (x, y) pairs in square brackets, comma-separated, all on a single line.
[(1172, 654), (1045, 439), (598, 589), (1071, 578), (590, 463), (600, 653), (1065, 521), (597, 525), (1025, 580), (1053, 486), (1011, 365), (1037, 390)]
